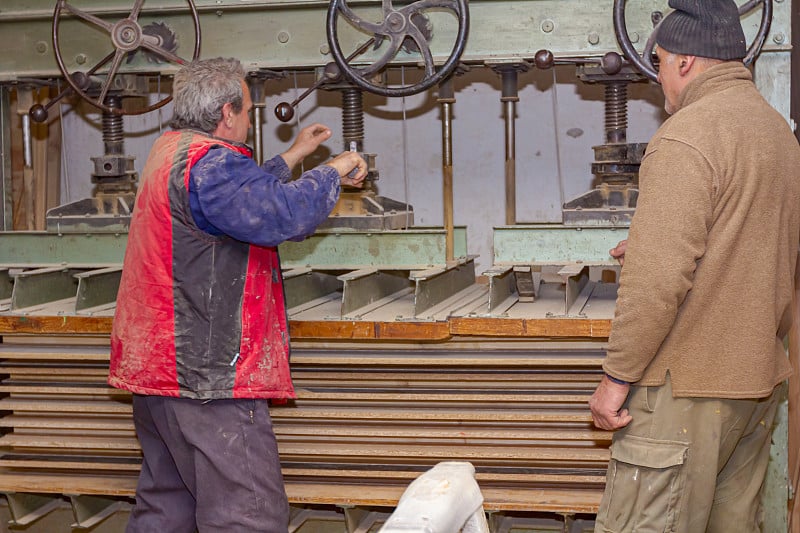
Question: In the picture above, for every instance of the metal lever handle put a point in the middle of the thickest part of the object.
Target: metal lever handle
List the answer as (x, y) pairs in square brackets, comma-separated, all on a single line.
[(284, 111), (38, 112)]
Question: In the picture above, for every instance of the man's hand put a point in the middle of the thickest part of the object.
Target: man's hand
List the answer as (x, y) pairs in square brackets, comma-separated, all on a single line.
[(351, 167), (618, 252), (306, 142), (606, 403)]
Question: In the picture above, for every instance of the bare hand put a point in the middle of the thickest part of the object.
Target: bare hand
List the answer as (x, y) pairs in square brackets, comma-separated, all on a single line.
[(606, 405), (351, 167), (618, 252), (306, 142)]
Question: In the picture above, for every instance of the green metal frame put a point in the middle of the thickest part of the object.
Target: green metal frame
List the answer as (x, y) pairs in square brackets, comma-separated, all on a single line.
[(414, 249), (390, 250), (39, 248), (554, 244), (280, 34)]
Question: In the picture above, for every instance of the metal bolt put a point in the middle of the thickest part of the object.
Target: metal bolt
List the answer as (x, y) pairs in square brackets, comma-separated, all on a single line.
[(655, 17), (283, 37), (594, 38), (218, 12), (634, 37), (324, 50), (41, 47), (547, 26), (779, 38), (80, 59)]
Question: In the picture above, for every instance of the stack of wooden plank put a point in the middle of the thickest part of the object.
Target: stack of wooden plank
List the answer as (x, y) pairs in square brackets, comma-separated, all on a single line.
[(368, 419)]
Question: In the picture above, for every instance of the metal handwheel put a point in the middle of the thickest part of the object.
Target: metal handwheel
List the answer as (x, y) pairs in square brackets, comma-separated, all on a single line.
[(404, 27), (644, 62), (127, 36)]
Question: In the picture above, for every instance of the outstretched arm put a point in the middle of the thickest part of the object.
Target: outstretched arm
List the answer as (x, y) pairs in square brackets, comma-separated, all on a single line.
[(306, 142)]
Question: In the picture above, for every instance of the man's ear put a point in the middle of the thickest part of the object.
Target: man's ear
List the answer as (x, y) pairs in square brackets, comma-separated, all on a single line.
[(227, 114), (685, 64)]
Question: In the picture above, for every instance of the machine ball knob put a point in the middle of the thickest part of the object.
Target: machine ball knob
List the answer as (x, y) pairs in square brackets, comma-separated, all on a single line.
[(81, 80), (331, 72), (38, 113), (543, 59), (284, 111), (611, 63)]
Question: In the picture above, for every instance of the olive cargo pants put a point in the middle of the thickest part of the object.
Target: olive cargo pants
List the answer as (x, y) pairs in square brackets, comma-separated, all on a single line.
[(688, 465)]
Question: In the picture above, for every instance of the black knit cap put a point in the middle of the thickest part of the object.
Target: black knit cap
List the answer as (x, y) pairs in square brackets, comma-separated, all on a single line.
[(704, 28)]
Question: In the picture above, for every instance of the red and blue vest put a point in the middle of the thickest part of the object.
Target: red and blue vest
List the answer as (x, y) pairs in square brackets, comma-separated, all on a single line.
[(197, 316)]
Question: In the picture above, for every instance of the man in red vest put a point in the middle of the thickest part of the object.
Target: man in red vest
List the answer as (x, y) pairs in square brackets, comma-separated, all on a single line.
[(200, 332)]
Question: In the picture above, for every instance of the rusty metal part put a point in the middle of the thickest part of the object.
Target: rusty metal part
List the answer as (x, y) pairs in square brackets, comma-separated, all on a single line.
[(284, 111), (113, 172), (164, 38), (398, 27), (616, 163), (353, 119), (509, 74), (610, 63), (127, 36), (616, 100), (423, 22)]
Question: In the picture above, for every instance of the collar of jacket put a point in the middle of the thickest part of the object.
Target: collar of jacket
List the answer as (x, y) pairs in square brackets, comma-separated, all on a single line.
[(715, 79), (226, 141)]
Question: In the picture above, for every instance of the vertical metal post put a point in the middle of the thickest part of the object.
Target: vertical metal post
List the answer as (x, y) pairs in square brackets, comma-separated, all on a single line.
[(27, 141), (510, 97), (6, 206), (257, 93), (258, 148), (446, 100)]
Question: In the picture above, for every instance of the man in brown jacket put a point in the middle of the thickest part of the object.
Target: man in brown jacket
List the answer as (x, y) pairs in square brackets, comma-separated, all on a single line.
[(696, 362)]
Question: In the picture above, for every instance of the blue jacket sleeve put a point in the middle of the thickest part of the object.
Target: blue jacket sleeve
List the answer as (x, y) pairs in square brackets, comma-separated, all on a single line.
[(230, 194), (278, 167)]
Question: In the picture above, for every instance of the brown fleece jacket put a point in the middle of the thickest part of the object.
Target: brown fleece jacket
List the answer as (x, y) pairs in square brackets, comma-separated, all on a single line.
[(706, 289)]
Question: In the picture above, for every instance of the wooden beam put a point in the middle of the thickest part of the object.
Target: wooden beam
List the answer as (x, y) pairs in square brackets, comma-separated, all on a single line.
[(531, 327), (353, 329), (358, 330), (55, 325)]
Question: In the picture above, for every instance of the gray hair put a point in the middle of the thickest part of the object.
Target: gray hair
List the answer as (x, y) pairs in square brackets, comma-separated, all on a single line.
[(201, 88)]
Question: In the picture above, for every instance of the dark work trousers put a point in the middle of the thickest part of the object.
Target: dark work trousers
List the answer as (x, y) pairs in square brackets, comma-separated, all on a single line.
[(208, 466)]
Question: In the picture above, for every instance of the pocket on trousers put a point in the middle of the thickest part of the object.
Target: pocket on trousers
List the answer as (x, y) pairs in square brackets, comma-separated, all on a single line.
[(644, 485)]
